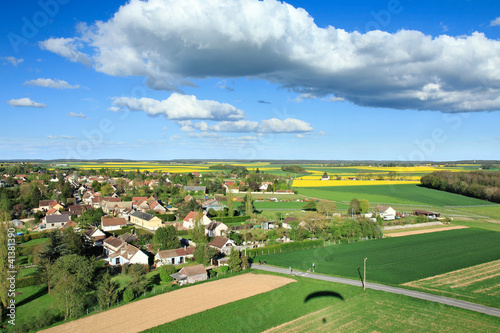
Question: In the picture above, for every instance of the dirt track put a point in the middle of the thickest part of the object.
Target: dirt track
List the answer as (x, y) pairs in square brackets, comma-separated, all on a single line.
[(424, 231), (151, 312)]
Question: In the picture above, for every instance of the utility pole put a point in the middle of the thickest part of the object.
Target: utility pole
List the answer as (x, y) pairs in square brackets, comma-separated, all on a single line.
[(364, 277)]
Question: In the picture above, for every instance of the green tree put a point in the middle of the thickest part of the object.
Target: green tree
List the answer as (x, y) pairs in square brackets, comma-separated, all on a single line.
[(90, 217), (354, 206), (311, 205), (230, 204), (326, 207), (364, 206), (165, 272), (138, 274), (34, 197), (166, 238), (96, 186), (128, 295), (107, 291), (234, 261), (106, 190), (71, 280), (197, 233), (203, 254)]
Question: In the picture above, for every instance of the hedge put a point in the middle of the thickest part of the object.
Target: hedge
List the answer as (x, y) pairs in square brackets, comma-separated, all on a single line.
[(27, 281), (166, 217), (233, 219), (28, 250), (29, 237), (286, 247)]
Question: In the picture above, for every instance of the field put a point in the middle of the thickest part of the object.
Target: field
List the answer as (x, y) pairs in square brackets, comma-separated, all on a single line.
[(394, 194), (477, 284), (159, 310), (398, 260), (419, 231), (293, 308)]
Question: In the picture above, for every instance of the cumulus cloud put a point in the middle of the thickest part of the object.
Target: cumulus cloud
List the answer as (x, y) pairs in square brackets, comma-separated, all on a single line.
[(170, 44), (288, 125), (49, 83), (13, 61), (229, 126), (181, 107), (77, 115), (495, 22), (26, 102), (274, 125), (66, 47)]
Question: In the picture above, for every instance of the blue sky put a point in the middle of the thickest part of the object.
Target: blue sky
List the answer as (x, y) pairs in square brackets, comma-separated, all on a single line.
[(244, 79)]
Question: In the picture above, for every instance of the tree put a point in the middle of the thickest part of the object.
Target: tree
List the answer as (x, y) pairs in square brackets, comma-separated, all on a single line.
[(91, 217), (230, 204), (138, 274), (128, 295), (166, 238), (96, 186), (354, 206), (247, 207), (203, 254), (234, 261), (165, 272), (106, 190), (364, 206), (311, 205), (106, 291), (71, 280), (326, 207), (34, 197), (197, 233), (4, 266)]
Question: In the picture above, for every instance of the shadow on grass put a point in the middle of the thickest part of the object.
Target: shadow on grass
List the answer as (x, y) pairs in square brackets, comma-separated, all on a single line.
[(39, 293), (323, 293)]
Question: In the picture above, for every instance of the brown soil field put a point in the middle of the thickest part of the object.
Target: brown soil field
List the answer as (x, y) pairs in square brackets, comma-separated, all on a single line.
[(144, 314), (424, 231)]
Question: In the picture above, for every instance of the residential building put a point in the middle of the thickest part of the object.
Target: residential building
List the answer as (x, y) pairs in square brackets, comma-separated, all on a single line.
[(146, 220), (112, 223), (190, 274), (222, 244), (174, 257)]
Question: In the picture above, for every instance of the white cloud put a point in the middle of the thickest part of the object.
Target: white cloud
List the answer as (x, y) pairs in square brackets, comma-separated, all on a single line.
[(49, 83), (13, 61), (181, 107), (77, 115), (248, 138), (171, 44), (288, 125), (241, 126), (114, 108), (186, 125), (495, 22), (321, 133), (26, 102), (204, 135), (66, 47), (300, 136), (66, 137)]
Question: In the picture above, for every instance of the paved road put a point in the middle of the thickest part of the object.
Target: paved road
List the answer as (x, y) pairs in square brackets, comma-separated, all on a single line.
[(417, 294)]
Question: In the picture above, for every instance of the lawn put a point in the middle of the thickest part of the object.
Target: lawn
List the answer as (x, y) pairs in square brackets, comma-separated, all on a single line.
[(35, 241), (331, 307), (410, 194), (398, 260), (278, 205)]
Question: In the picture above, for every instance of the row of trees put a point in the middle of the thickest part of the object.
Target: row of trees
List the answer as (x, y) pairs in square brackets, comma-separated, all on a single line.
[(478, 184)]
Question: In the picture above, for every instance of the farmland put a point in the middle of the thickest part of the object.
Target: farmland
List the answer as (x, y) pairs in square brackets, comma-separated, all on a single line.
[(398, 260), (287, 309)]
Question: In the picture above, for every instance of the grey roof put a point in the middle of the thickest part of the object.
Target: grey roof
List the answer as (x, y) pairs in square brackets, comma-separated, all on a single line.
[(57, 218), (195, 188), (143, 216)]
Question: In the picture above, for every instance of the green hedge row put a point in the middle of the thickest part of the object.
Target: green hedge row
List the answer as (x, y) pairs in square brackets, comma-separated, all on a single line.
[(28, 281), (28, 250), (166, 217), (233, 219), (287, 247), (28, 237)]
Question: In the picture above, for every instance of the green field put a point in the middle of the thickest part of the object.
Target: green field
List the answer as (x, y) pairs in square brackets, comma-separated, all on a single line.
[(352, 310), (410, 194), (398, 260)]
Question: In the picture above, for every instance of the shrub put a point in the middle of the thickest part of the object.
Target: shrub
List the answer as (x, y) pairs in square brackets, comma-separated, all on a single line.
[(128, 295), (27, 281), (165, 272)]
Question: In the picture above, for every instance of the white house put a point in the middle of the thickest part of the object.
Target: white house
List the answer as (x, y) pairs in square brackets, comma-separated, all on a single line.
[(95, 235), (386, 211), (112, 223), (189, 220), (174, 257), (50, 222), (119, 252), (222, 244), (215, 228)]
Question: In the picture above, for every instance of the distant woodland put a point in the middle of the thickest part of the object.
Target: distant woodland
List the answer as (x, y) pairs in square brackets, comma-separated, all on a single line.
[(478, 184)]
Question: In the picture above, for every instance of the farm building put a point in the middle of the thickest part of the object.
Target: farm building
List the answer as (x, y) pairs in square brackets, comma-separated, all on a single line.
[(190, 274), (426, 213)]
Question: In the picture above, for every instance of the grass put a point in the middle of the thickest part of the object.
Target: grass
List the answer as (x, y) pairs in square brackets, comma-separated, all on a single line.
[(398, 260), (411, 194), (352, 310), (26, 272), (35, 241), (279, 205)]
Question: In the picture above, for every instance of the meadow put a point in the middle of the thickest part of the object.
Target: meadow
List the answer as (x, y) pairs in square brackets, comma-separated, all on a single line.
[(351, 310), (398, 260)]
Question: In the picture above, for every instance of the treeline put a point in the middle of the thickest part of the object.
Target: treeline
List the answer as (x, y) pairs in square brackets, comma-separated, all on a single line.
[(478, 184), (293, 169), (228, 167)]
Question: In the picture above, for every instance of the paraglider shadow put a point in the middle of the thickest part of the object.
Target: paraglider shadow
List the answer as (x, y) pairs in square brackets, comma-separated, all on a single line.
[(323, 293), (361, 277)]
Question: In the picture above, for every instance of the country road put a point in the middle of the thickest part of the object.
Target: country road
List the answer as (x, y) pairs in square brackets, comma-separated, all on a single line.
[(395, 290)]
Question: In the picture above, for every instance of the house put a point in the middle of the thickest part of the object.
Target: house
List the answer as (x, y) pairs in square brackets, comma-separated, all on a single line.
[(222, 244), (230, 187), (146, 220), (325, 177), (78, 209), (129, 238), (190, 274), (50, 222), (46, 205), (112, 223), (111, 245), (214, 204), (426, 213), (289, 221), (112, 207), (53, 211), (386, 211), (195, 188), (127, 254), (174, 257), (215, 228), (95, 236), (189, 221), (70, 224)]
